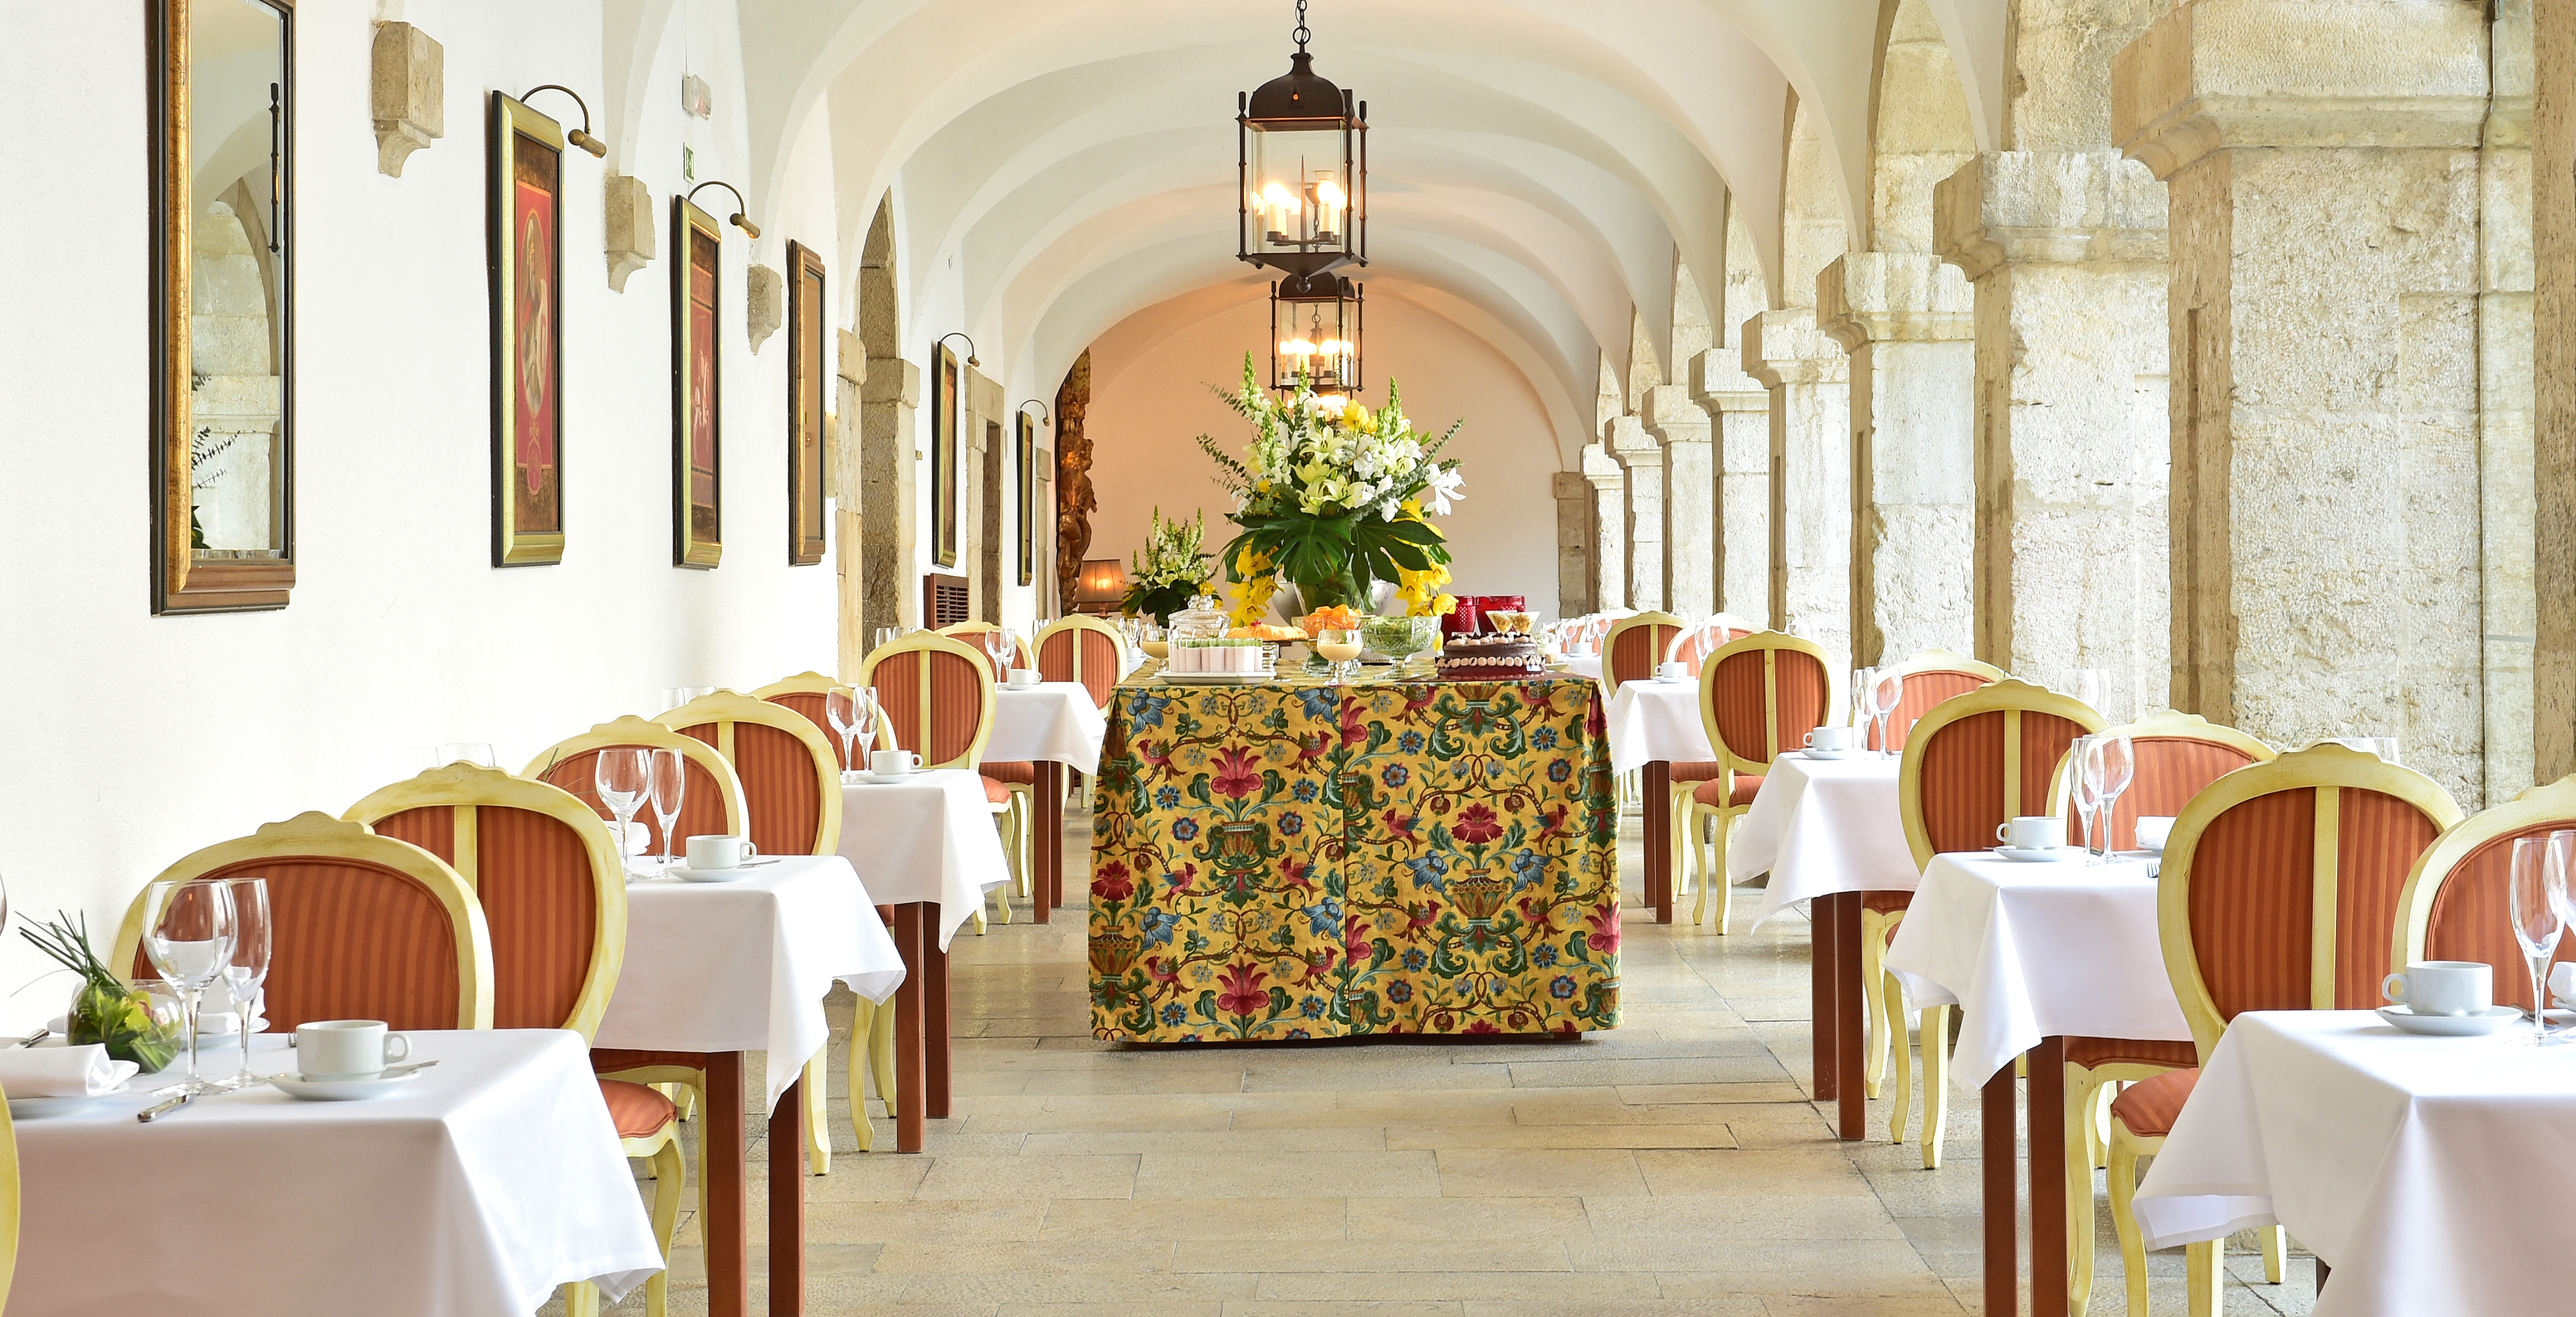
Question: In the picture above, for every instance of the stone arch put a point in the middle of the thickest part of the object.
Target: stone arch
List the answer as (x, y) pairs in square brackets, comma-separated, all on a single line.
[(1812, 232), (887, 400), (238, 398), (1919, 129)]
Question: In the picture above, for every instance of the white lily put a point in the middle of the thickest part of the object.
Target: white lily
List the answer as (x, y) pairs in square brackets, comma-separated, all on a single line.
[(1448, 484)]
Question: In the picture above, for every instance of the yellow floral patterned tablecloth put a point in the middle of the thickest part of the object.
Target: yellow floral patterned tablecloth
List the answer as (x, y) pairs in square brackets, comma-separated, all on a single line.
[(1305, 860)]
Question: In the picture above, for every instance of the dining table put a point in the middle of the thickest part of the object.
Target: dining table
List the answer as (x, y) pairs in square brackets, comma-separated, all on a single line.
[(1055, 725), (2034, 953), (2425, 1173), (716, 969), (1653, 724), (1825, 827), (925, 846), (480, 1185)]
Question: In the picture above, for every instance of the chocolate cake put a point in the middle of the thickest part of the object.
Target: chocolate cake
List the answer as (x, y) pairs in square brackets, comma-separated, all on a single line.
[(1490, 658)]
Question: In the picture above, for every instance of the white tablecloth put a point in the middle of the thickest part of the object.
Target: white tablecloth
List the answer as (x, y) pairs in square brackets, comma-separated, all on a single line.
[(1052, 720), (929, 837), (1822, 826), (2032, 951), (1651, 720), (1585, 665), (2430, 1173), (480, 1187), (744, 966)]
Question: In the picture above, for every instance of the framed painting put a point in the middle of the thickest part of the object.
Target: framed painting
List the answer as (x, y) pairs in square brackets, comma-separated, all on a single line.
[(805, 378), (1025, 473), (525, 196), (697, 388), (947, 390)]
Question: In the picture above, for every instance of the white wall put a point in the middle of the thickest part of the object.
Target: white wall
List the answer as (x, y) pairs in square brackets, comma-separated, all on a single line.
[(1150, 401), (131, 740)]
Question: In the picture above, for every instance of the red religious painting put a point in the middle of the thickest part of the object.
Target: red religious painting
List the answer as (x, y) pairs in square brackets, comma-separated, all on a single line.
[(526, 260), (697, 399), (805, 377)]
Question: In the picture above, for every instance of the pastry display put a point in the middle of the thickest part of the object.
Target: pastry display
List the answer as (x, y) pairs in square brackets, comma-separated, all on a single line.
[(1501, 650), (1222, 654)]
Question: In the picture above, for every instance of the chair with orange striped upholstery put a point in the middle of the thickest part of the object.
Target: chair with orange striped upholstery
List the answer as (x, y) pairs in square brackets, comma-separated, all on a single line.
[(2455, 905), (2282, 884), (552, 888), (790, 774), (1758, 695), (937, 694), (1019, 775), (976, 634), (1929, 678), (1086, 650), (1633, 646), (1695, 644), (806, 693), (1975, 760), (712, 801), (2177, 756)]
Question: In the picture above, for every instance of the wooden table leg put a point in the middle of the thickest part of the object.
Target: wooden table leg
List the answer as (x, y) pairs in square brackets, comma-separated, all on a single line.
[(908, 1059), (1824, 952), (1050, 826), (728, 1225), (2049, 1241), (787, 1202), (934, 1022), (1849, 1017), (1657, 784), (2003, 1264)]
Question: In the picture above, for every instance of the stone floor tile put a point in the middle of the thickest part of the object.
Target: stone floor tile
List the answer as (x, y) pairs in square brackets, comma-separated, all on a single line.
[(1538, 1173)]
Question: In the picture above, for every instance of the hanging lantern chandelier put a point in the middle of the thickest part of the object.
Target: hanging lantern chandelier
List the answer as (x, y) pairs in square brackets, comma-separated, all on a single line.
[(1315, 331), (1301, 160)]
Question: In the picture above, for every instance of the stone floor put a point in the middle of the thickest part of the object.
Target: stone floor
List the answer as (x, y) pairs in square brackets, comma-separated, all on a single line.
[(1674, 1165)]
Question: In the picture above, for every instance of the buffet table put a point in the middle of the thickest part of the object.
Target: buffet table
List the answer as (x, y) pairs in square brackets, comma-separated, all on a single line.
[(1300, 859)]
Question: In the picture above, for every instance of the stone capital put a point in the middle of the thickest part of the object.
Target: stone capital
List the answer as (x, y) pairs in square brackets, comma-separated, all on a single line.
[(1629, 442), (408, 95), (852, 360), (764, 304), (2215, 74), (1719, 383), (1787, 347), (892, 380), (1672, 416), (1602, 471), (2065, 207), (1894, 297), (1569, 484)]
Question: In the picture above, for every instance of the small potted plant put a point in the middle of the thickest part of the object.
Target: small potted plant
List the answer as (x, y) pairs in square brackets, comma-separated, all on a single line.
[(105, 1008)]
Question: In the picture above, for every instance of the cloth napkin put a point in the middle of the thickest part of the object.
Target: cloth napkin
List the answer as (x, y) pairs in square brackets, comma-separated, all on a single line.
[(83, 1071)]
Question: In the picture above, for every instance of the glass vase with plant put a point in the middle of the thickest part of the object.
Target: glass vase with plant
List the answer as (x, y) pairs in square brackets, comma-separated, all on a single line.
[(105, 1008)]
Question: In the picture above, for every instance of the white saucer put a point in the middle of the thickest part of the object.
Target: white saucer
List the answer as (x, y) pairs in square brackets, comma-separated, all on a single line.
[(688, 875), (2451, 1026), (1813, 753), (2040, 854), (870, 777), (39, 1108), (340, 1090)]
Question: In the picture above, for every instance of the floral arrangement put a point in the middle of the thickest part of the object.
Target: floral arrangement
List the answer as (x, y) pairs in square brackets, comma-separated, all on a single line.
[(1332, 496), (106, 1009), (1168, 570)]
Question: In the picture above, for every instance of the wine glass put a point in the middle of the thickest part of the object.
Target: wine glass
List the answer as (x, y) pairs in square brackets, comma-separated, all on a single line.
[(841, 709), (2118, 767), (1891, 692), (247, 969), (1000, 644), (2086, 788), (1864, 695), (623, 776), (2086, 684), (886, 635), (669, 785), (2538, 900), (188, 932)]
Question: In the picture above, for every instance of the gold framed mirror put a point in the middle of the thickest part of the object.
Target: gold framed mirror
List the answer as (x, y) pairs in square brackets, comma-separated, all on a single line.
[(223, 342)]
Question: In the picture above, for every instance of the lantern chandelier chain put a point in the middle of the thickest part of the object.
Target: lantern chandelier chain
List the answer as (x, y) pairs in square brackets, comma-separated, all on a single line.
[(1302, 34)]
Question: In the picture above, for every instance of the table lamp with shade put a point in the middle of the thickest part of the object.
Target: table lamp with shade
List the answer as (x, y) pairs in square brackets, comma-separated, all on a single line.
[(1099, 586)]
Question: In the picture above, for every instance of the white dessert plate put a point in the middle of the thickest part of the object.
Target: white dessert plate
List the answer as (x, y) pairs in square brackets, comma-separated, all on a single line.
[(39, 1108), (340, 1090), (2041, 854), (2451, 1026)]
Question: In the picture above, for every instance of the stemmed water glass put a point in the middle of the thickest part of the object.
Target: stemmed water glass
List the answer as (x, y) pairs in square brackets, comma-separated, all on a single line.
[(247, 968), (1889, 684), (1000, 643), (2086, 684), (2086, 788), (1864, 701), (623, 776), (2113, 762), (188, 932), (2539, 908), (841, 709), (669, 785)]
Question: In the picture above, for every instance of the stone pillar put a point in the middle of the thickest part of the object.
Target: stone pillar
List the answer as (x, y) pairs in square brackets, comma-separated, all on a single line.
[(886, 403), (1607, 524), (2067, 252), (1810, 514), (846, 482), (1740, 410), (1573, 543), (1906, 320), (1690, 523), (2324, 231), (1643, 461)]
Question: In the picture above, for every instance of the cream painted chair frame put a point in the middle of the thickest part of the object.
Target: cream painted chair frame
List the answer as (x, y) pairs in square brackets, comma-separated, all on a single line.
[(1078, 623), (9, 1200), (1610, 641), (2553, 802), (1019, 646), (1882, 992), (1695, 821), (634, 731), (727, 708), (915, 647), (2330, 769), (1012, 816)]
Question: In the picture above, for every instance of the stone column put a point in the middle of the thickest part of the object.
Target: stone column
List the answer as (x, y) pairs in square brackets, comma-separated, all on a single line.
[(1608, 528), (886, 402), (845, 484), (1690, 523), (1740, 410), (1642, 459), (1906, 319), (1573, 543), (2323, 315), (1809, 380), (2067, 251)]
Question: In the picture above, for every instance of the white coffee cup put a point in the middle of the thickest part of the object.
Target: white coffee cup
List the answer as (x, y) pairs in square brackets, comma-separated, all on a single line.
[(718, 850), (347, 1049), (1022, 678), (2442, 987), (2562, 980), (2033, 832), (1673, 671), (2153, 831), (1833, 738), (893, 763)]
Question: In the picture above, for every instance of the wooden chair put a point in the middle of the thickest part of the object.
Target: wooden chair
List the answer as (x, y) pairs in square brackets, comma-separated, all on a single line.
[(2280, 885), (790, 774), (2456, 904), (712, 802), (2177, 756), (1976, 760), (973, 634), (1632, 647), (552, 887), (806, 693), (932, 706), (1930, 677), (1758, 695), (9, 1200), (1696, 644), (1086, 650)]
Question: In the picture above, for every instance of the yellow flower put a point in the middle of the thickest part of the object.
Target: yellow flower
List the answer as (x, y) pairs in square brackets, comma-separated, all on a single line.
[(1443, 605)]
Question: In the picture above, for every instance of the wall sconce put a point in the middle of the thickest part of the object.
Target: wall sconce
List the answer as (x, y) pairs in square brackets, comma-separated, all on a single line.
[(579, 136), (738, 221), (971, 359), (1043, 418)]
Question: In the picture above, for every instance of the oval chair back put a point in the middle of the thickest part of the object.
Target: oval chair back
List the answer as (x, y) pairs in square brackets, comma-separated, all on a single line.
[(1083, 649), (1695, 644), (1634, 645), (790, 775), (1980, 758), (973, 633), (805, 693), (937, 693), (1761, 694), (2177, 756), (2282, 881), (546, 873), (2457, 905), (712, 802), (1930, 677), (363, 927)]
